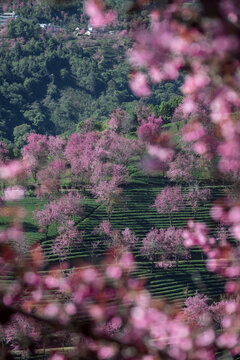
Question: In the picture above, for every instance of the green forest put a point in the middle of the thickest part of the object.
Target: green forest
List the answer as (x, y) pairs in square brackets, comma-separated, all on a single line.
[(52, 81)]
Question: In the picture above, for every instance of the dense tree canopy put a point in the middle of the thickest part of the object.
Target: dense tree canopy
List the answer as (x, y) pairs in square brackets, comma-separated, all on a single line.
[(51, 81)]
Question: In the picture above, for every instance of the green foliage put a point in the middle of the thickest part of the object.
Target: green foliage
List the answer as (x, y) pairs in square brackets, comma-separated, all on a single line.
[(22, 28), (52, 82), (19, 134), (166, 108), (35, 115)]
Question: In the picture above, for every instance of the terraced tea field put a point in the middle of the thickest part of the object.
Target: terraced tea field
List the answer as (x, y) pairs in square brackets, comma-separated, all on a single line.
[(175, 284), (139, 216)]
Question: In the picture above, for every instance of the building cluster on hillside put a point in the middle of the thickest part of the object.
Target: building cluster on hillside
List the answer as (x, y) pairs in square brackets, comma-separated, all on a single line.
[(90, 31), (50, 27), (6, 17)]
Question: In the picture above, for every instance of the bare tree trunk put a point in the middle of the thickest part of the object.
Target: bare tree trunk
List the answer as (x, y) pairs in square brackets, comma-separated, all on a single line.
[(152, 267), (34, 174), (44, 348), (46, 233)]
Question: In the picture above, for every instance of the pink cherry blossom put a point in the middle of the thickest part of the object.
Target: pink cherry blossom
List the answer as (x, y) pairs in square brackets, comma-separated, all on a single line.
[(139, 84), (98, 16), (14, 193), (164, 247), (169, 200), (13, 169)]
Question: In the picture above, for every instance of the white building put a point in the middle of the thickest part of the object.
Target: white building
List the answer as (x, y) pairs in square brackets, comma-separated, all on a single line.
[(6, 17)]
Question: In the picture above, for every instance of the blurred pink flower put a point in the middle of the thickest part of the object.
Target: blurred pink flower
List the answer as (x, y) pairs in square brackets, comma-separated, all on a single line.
[(14, 193), (161, 153), (12, 169), (106, 352), (139, 84), (98, 17)]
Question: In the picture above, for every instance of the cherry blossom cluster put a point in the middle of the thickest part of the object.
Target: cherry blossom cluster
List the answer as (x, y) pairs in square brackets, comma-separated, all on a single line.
[(196, 195), (107, 297), (170, 200), (118, 317), (62, 213), (114, 238), (200, 312), (227, 212), (98, 17), (46, 162), (120, 121), (179, 33), (100, 160), (164, 248), (222, 257), (149, 129)]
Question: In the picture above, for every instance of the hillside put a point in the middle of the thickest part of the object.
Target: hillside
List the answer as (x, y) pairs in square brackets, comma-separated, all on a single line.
[(177, 283), (52, 80)]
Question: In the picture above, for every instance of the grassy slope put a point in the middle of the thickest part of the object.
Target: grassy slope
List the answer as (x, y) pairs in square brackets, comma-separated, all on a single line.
[(175, 284), (139, 216)]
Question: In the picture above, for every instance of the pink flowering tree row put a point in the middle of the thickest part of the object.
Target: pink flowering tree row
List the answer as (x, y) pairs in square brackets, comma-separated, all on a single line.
[(117, 314), (101, 160), (94, 159), (46, 163), (172, 199)]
